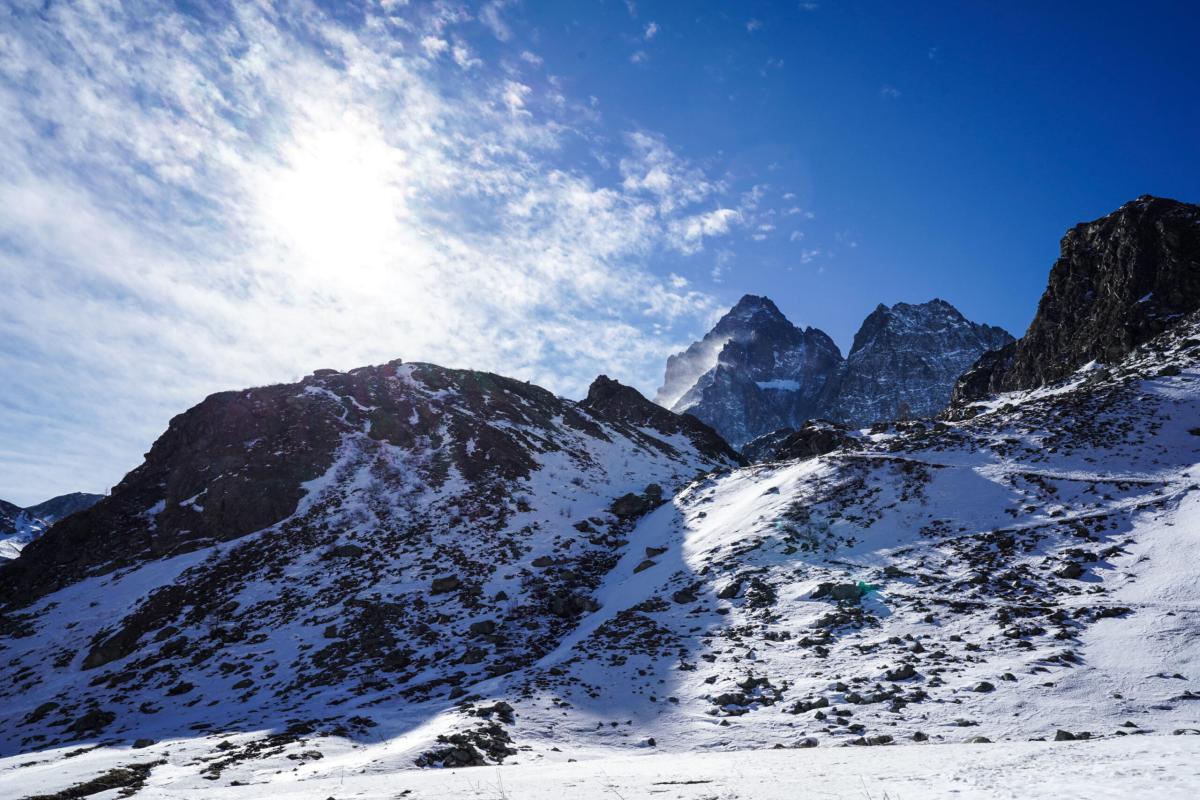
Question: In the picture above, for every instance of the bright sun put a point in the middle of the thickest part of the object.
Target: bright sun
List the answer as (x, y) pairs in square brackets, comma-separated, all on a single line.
[(335, 204)]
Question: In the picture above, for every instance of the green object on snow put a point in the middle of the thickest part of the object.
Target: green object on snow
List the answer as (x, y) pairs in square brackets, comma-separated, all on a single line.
[(865, 589)]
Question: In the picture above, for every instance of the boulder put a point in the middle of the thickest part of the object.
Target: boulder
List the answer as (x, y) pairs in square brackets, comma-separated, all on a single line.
[(446, 584)]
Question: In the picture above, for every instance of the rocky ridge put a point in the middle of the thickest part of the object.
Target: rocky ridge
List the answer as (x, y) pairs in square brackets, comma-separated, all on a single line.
[(391, 534), (755, 372), (1118, 282)]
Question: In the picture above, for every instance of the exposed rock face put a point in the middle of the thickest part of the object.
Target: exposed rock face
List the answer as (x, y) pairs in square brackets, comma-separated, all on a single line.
[(8, 515), (755, 372), (618, 403), (815, 438), (906, 359), (763, 448), (1118, 282), (767, 373)]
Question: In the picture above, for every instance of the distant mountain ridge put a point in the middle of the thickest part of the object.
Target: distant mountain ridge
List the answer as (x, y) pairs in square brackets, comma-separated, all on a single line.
[(755, 372), (19, 526)]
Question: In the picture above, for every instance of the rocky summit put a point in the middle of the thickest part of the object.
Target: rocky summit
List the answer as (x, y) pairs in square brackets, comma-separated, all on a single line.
[(905, 360), (755, 372), (1118, 282)]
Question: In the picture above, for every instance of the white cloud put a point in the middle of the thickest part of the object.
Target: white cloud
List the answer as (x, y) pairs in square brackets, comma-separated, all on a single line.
[(514, 97), (433, 46), (753, 25), (531, 58), (201, 209), (653, 168), (689, 234), (464, 58), (721, 265), (651, 31), (889, 92), (490, 16), (638, 57)]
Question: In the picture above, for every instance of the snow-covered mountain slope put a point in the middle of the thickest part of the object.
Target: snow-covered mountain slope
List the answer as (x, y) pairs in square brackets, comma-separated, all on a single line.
[(1030, 570), (20, 526), (454, 527), (755, 372)]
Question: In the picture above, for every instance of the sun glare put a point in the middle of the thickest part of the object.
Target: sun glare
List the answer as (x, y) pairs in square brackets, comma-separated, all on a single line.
[(335, 205)]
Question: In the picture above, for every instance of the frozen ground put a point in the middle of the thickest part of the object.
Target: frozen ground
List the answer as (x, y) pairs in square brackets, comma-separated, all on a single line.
[(1161, 767)]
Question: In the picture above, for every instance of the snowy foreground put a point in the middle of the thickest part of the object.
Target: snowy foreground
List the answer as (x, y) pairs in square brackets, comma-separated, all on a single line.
[(1138, 766)]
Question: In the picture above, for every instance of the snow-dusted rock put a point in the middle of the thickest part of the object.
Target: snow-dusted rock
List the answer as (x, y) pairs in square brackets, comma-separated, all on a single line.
[(905, 361), (755, 372), (1118, 282)]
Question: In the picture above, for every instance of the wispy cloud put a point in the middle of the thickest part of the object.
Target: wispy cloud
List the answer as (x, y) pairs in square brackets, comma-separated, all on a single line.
[(651, 31), (491, 16), (194, 204), (889, 92)]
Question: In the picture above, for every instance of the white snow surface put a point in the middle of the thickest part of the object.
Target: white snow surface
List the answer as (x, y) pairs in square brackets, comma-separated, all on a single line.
[(780, 384), (1164, 768)]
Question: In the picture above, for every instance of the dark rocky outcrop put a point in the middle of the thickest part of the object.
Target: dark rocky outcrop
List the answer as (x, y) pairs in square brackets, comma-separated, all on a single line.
[(8, 516), (762, 448), (624, 405), (1118, 282), (815, 438)]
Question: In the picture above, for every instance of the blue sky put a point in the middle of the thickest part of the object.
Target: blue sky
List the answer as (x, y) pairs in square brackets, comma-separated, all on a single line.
[(199, 197)]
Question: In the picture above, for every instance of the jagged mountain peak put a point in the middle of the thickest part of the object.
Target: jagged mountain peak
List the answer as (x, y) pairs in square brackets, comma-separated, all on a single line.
[(752, 319), (756, 372), (934, 316), (754, 307)]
